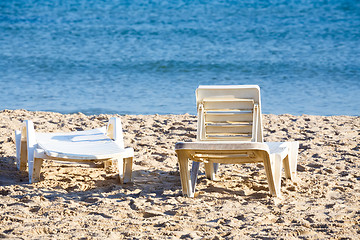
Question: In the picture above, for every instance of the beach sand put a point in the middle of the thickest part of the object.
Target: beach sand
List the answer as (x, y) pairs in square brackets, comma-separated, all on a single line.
[(89, 203)]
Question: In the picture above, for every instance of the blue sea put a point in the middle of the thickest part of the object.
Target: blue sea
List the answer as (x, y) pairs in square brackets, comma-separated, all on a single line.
[(147, 57)]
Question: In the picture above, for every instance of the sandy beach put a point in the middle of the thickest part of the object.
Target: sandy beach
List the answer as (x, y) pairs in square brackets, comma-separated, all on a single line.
[(77, 202)]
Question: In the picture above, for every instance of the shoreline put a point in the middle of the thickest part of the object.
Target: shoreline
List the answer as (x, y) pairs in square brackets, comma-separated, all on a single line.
[(156, 114), (78, 202)]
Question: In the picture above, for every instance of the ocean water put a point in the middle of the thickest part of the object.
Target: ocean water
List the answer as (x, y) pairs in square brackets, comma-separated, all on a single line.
[(147, 57)]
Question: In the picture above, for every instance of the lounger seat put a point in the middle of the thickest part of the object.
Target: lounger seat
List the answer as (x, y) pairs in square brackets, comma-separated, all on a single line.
[(82, 145)]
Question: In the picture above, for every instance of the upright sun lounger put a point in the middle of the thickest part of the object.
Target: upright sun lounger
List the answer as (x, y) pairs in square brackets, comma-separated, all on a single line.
[(230, 131), (87, 147)]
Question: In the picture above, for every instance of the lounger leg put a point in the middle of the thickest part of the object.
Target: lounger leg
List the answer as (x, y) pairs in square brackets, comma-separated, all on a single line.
[(34, 163), (216, 167), (290, 162), (286, 163), (185, 174), (127, 169), (120, 163), (277, 173), (293, 155), (273, 167), (34, 172), (194, 173), (210, 171)]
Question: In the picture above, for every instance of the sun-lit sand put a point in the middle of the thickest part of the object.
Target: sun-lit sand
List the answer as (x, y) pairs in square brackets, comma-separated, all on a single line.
[(89, 203)]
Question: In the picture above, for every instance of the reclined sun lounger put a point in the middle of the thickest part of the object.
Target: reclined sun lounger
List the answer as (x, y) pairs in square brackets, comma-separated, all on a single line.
[(96, 145), (230, 131)]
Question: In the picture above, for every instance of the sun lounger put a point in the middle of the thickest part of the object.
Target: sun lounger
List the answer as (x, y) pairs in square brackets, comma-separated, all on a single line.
[(86, 147), (230, 132)]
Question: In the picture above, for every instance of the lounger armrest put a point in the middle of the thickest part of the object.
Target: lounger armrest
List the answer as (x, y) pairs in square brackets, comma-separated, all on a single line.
[(27, 141), (128, 152), (114, 131), (28, 135), (18, 145)]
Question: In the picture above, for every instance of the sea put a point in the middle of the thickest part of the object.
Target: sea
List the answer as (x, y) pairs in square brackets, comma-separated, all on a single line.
[(148, 57)]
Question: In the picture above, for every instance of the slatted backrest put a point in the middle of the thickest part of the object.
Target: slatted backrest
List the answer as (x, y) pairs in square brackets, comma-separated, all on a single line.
[(229, 113)]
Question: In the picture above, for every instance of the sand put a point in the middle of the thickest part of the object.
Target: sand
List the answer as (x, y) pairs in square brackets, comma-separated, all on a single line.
[(88, 203)]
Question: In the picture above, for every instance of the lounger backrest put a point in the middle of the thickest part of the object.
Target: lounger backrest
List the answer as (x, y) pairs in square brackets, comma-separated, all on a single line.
[(229, 113)]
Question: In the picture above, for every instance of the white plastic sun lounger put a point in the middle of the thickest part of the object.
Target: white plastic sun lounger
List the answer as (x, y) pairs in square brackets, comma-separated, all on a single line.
[(230, 131), (86, 147)]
